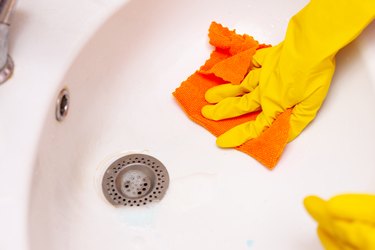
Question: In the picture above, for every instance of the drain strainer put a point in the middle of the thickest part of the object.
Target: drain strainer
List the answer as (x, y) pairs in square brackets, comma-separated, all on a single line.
[(135, 180)]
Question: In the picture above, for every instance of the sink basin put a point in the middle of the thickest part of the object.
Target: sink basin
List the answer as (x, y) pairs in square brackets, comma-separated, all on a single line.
[(120, 84)]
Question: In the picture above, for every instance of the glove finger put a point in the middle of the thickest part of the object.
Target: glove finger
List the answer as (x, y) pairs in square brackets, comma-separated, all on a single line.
[(300, 118), (244, 132), (260, 55), (220, 92), (360, 207), (304, 112), (315, 206), (329, 242), (251, 81), (350, 232), (306, 109), (318, 210), (356, 234), (233, 106)]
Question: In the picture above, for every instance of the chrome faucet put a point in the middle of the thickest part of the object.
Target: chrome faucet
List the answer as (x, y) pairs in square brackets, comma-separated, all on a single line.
[(6, 62)]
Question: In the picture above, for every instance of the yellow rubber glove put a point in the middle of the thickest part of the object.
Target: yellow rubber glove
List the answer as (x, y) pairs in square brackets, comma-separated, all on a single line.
[(345, 221), (294, 74)]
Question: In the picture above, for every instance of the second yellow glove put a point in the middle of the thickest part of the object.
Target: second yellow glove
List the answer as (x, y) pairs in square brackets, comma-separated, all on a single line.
[(345, 222)]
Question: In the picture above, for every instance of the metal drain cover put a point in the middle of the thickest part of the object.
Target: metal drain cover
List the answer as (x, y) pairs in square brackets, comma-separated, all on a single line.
[(135, 180)]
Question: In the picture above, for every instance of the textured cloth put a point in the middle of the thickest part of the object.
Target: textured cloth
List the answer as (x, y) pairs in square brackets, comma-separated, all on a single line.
[(230, 62)]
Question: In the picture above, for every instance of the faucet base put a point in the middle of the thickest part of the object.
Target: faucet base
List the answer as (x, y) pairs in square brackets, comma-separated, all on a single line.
[(7, 71)]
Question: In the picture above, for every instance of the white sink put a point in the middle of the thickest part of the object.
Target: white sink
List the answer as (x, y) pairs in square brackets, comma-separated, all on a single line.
[(120, 84)]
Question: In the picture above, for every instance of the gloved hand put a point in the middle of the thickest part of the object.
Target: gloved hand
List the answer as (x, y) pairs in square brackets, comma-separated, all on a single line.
[(294, 74), (345, 221)]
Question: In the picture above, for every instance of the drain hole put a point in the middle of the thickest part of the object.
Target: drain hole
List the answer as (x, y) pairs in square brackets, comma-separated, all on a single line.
[(62, 105), (134, 180)]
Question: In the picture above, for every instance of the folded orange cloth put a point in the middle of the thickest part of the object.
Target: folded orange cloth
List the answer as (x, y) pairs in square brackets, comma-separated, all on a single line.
[(230, 62)]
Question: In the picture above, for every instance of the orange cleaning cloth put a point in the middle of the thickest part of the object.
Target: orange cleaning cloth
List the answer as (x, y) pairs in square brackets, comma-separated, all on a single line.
[(230, 62)]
